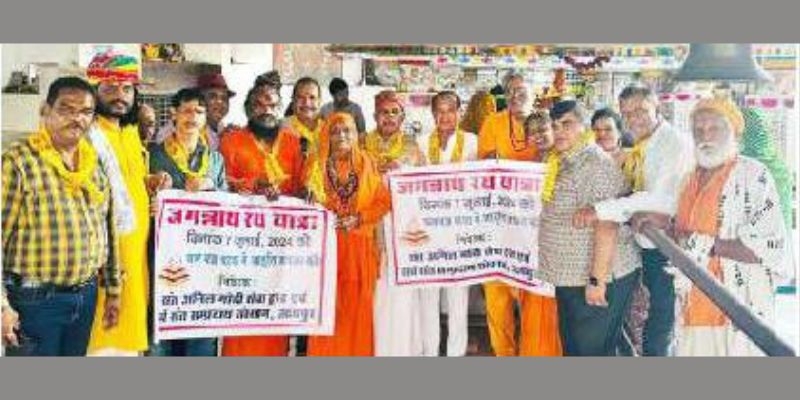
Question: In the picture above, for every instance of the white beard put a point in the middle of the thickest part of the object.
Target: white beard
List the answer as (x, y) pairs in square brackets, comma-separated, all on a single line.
[(711, 155)]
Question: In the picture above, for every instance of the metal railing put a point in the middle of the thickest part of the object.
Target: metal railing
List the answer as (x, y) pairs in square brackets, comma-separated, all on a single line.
[(761, 334)]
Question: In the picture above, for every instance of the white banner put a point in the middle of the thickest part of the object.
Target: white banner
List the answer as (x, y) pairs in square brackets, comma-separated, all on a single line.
[(466, 223), (229, 265)]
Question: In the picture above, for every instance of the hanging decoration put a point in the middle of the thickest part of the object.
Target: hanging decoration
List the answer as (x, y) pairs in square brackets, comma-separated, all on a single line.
[(586, 67), (167, 52), (554, 92)]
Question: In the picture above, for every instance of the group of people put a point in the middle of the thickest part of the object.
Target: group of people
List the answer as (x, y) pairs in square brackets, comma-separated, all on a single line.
[(79, 197)]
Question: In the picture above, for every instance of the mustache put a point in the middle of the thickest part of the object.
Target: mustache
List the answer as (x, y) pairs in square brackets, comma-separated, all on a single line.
[(266, 120), (708, 146), (106, 108), (711, 154), (75, 125), (118, 102), (263, 130)]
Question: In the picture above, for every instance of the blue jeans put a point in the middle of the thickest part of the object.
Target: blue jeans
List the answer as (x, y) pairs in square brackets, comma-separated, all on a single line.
[(54, 321), (659, 328), (205, 347), (591, 330)]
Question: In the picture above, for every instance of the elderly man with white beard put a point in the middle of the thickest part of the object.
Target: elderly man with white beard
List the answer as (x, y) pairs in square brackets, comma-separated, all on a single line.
[(729, 221)]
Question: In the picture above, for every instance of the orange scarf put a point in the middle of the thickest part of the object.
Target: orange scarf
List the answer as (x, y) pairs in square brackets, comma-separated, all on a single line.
[(698, 211)]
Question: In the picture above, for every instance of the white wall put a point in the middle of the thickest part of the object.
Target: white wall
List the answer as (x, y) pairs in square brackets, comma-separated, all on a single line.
[(17, 56), (244, 63), (20, 112), (211, 53)]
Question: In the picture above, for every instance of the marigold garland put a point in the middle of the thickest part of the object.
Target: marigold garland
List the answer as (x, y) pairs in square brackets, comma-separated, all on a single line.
[(374, 146)]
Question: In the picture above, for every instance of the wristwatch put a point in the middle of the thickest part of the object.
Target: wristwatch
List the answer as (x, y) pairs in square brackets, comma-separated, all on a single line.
[(593, 281)]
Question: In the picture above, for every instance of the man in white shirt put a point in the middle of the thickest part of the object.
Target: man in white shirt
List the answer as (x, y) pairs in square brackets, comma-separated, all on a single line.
[(447, 144), (655, 167)]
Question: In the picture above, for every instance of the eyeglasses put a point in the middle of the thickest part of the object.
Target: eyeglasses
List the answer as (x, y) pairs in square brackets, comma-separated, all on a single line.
[(191, 111), (72, 113)]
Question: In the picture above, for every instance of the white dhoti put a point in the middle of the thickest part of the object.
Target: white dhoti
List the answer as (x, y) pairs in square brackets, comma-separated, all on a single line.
[(457, 306), (397, 320), (707, 341)]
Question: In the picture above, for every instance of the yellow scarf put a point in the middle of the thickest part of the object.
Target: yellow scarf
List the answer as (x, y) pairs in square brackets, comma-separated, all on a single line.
[(272, 167), (633, 167), (553, 165), (374, 146), (315, 183), (308, 134), (181, 158), (74, 181), (205, 137), (435, 147)]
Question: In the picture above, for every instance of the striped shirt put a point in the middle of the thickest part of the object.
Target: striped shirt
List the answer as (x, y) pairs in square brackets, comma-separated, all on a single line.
[(565, 252), (50, 234)]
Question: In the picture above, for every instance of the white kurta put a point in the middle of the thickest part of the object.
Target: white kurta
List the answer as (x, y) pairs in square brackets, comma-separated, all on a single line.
[(668, 158), (456, 297), (750, 211), (407, 320), (397, 316)]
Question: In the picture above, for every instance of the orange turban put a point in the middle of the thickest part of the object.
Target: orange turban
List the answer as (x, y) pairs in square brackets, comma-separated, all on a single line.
[(724, 107)]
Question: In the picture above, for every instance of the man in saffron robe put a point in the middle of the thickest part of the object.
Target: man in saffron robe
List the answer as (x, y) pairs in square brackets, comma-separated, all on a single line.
[(260, 159), (502, 136)]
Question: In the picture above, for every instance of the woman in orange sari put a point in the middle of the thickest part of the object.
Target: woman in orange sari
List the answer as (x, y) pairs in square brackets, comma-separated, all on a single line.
[(352, 188)]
